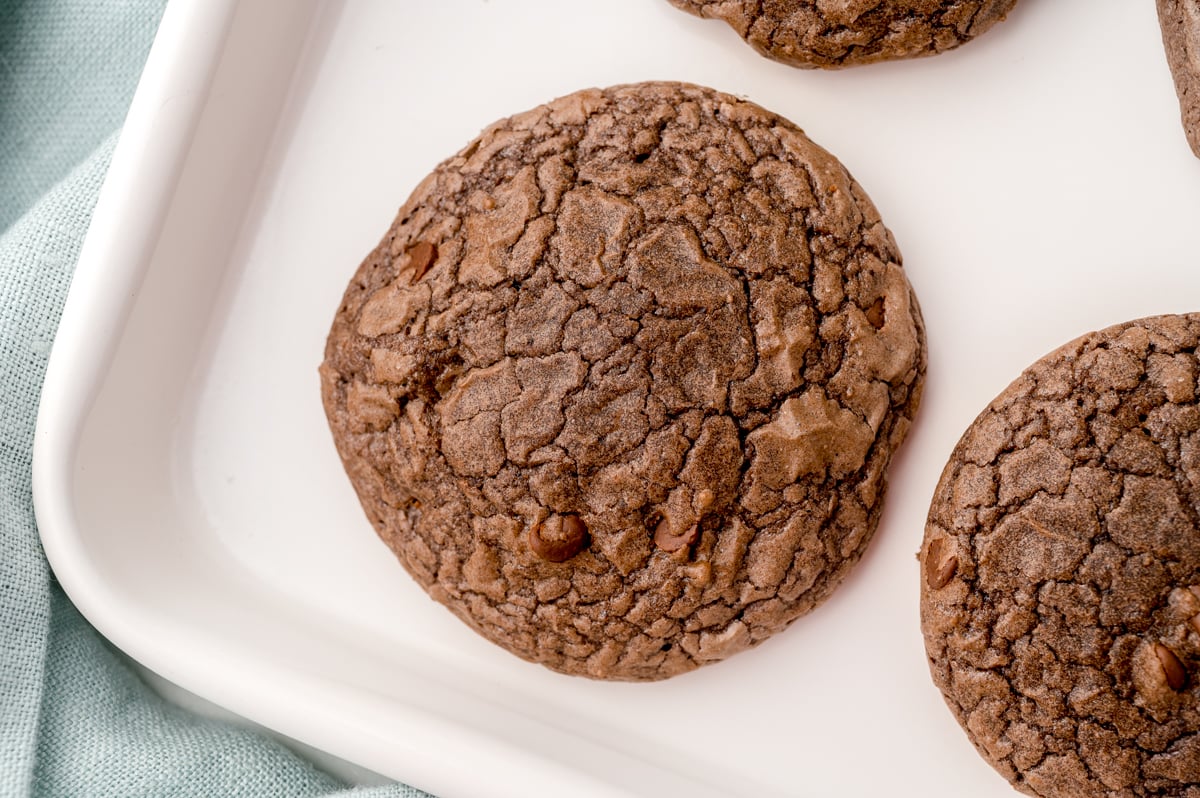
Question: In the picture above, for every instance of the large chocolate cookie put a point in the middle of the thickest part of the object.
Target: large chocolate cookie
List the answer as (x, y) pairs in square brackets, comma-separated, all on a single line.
[(620, 384), (838, 33), (1180, 20), (1060, 588)]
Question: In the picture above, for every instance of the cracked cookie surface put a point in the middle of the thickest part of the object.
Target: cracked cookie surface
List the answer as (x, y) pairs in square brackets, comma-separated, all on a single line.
[(620, 384), (830, 34), (1060, 571)]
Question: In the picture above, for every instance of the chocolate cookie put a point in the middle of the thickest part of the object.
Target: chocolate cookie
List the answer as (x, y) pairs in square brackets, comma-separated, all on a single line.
[(830, 34), (1060, 586), (620, 384), (1180, 20)]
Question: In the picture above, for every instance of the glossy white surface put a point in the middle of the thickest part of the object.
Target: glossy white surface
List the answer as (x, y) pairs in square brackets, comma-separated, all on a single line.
[(189, 496)]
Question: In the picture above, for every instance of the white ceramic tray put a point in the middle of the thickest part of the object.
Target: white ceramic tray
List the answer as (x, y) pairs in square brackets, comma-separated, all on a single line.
[(188, 493)]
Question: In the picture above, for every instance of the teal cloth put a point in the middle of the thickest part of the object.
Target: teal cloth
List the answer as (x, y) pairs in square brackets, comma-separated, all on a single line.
[(75, 720)]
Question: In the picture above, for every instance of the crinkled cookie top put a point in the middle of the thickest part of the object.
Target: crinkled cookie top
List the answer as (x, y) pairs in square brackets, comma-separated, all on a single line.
[(830, 34), (620, 384), (1061, 569)]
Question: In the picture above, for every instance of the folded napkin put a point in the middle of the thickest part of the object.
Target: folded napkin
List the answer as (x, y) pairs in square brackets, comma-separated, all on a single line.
[(75, 720)]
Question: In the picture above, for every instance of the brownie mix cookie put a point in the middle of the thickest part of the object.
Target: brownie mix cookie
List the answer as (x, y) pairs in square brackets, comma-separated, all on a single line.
[(620, 384), (829, 34), (1060, 587), (1180, 21)]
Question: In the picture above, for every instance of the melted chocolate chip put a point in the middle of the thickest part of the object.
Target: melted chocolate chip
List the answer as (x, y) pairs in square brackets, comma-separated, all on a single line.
[(559, 538)]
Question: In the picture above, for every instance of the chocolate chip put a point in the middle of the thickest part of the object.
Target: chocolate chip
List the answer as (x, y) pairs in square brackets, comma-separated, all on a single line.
[(420, 257), (1172, 668), (940, 564), (667, 540), (875, 314), (558, 538), (574, 527)]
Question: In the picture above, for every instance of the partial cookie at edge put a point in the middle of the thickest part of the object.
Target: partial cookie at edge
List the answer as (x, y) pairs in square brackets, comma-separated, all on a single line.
[(830, 34), (1060, 570), (1180, 21)]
